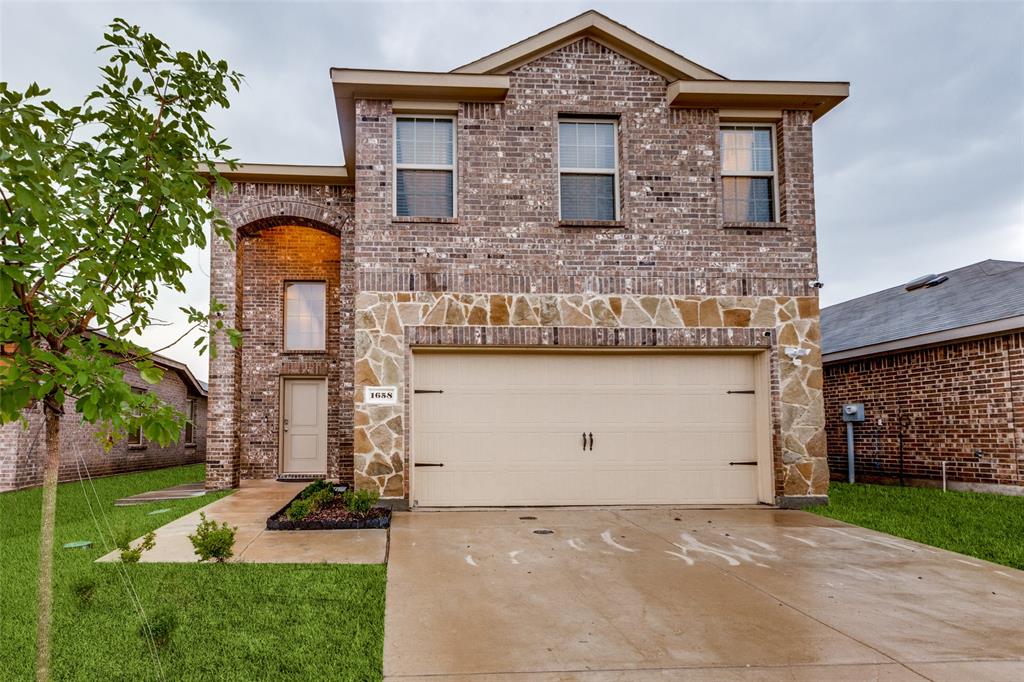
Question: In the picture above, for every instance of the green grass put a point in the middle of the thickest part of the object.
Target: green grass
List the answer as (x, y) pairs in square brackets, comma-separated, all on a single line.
[(982, 525), (234, 621)]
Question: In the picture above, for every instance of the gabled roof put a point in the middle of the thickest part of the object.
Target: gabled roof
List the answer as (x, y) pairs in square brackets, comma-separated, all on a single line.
[(976, 300), (663, 61), (688, 84)]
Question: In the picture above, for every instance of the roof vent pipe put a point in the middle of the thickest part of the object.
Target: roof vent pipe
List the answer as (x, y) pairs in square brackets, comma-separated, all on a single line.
[(919, 282)]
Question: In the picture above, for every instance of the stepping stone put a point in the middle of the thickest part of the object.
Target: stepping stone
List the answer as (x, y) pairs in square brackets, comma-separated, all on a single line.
[(177, 492)]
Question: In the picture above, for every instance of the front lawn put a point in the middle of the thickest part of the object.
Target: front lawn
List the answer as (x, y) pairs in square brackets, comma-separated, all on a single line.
[(234, 621), (983, 525)]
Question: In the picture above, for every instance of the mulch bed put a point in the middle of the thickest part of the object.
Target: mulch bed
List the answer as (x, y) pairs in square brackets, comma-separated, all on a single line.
[(332, 516)]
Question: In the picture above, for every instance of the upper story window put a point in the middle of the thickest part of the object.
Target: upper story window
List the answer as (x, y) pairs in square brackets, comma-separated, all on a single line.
[(425, 166), (749, 185), (190, 421), (588, 166), (305, 315)]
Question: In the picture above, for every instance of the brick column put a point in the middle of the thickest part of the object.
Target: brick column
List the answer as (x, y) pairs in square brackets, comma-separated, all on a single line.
[(222, 446)]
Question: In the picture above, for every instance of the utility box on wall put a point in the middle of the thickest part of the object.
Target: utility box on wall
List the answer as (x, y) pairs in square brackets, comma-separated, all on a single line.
[(853, 412)]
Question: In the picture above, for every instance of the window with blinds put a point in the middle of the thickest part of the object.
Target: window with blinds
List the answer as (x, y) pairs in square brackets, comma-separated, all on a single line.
[(305, 315), (748, 173), (588, 170), (425, 166)]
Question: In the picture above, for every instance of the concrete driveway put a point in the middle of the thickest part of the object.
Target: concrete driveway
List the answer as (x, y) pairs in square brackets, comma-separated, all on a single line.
[(663, 594)]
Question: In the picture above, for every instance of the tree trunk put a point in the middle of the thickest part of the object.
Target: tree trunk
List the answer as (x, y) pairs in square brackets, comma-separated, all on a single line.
[(45, 613)]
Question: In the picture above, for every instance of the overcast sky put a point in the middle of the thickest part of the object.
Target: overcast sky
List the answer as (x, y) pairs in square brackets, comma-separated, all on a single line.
[(920, 170)]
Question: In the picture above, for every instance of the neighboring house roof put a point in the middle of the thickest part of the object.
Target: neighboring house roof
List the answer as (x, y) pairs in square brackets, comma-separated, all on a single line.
[(976, 300), (194, 385)]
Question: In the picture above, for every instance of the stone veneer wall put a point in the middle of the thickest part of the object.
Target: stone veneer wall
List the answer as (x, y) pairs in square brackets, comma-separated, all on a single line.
[(390, 324), (953, 400)]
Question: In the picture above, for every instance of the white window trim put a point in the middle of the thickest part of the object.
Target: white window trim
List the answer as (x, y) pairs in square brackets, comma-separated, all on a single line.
[(773, 174), (192, 405), (590, 171), (424, 166), (284, 327), (141, 434)]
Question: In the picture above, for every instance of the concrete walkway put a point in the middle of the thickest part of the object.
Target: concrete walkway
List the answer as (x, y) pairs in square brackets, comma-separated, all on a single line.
[(663, 594), (248, 509)]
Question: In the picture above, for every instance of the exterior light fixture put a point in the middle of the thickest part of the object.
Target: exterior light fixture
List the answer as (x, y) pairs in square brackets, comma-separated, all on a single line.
[(795, 354)]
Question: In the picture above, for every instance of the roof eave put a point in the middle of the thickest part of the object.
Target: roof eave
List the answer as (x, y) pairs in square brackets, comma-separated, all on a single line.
[(944, 336), (352, 84), (285, 173), (817, 97)]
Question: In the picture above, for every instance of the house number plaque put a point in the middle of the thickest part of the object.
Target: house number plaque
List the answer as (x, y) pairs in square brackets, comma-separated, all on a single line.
[(380, 395)]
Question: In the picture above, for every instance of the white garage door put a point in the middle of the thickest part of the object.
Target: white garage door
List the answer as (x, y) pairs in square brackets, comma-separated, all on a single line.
[(581, 429)]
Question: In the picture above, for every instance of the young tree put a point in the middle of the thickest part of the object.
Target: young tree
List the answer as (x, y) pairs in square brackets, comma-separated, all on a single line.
[(98, 204)]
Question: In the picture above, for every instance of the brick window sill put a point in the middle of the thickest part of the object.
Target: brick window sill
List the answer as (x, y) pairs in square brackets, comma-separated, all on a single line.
[(303, 352), (755, 226), (137, 447), (591, 223), (190, 445), (425, 219)]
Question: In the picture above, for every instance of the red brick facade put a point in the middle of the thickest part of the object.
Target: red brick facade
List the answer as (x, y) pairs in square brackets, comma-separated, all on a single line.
[(268, 260), (507, 236), (23, 449), (962, 402), (670, 254)]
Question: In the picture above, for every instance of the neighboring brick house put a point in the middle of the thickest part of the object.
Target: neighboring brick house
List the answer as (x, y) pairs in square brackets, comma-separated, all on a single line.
[(581, 270), (939, 366), (23, 446)]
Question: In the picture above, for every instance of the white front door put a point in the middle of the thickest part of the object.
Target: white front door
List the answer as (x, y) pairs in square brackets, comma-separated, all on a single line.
[(585, 428), (304, 427)]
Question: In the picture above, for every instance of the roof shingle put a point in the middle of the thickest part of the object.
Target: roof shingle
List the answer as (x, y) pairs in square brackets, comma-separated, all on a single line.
[(983, 292)]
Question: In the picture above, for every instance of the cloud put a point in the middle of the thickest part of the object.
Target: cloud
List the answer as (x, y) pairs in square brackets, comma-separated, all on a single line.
[(921, 170)]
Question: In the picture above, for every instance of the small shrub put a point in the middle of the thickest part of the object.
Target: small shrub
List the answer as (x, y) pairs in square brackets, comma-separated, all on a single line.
[(129, 554), (299, 509), (161, 627), (213, 540), (360, 501), (84, 588), (313, 497), (316, 487)]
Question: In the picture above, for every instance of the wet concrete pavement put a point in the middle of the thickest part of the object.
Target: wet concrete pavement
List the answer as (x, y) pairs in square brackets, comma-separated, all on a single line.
[(666, 594)]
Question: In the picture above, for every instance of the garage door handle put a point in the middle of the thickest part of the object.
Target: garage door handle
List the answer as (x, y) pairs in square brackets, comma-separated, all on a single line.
[(745, 464), (429, 464), (584, 441), (591, 441)]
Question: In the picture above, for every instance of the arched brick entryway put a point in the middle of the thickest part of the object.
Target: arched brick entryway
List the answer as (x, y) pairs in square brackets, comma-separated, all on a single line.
[(277, 217)]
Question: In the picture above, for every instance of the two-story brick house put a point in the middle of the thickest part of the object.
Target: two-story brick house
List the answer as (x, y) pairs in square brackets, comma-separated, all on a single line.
[(581, 270)]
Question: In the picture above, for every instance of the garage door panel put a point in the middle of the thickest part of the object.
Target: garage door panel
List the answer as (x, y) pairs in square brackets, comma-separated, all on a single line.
[(508, 428)]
